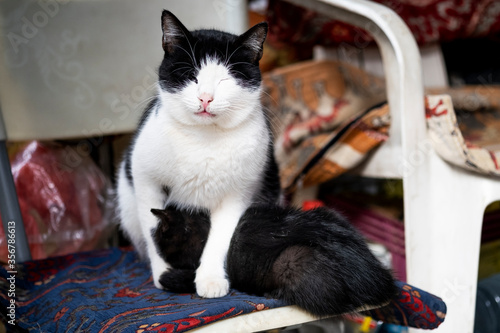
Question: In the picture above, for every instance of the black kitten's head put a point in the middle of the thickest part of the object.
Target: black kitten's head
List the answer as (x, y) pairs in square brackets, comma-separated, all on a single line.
[(210, 76), (180, 229)]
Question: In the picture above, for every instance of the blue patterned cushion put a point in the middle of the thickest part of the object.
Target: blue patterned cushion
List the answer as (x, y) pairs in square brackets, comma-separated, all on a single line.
[(112, 291)]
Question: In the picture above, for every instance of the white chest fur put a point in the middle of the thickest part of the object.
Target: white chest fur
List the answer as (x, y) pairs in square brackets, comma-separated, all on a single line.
[(202, 164)]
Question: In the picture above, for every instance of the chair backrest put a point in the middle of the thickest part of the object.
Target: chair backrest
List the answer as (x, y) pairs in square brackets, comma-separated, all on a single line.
[(85, 68)]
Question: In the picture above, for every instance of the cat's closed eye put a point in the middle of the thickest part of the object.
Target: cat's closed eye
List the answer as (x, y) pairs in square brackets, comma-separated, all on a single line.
[(222, 80), (193, 78)]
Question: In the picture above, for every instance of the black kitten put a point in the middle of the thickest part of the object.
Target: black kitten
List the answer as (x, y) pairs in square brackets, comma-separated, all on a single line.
[(180, 238), (314, 259)]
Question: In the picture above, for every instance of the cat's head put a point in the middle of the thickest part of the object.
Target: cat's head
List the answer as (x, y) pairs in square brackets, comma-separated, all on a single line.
[(177, 225), (209, 77)]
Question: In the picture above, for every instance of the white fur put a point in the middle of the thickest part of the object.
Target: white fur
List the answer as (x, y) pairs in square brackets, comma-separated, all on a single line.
[(207, 161)]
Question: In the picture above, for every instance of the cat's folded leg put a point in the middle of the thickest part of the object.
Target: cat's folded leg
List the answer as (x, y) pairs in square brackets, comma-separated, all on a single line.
[(211, 280), (149, 195)]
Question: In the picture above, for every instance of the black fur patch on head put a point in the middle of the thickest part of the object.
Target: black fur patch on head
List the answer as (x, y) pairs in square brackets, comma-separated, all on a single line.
[(186, 51)]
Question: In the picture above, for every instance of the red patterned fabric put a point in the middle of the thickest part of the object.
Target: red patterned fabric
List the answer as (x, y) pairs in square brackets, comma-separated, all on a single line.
[(463, 125), (429, 21), (414, 306)]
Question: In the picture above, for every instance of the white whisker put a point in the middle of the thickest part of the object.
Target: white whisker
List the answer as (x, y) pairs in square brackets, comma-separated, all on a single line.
[(196, 65), (188, 71), (143, 103), (189, 55), (241, 62), (227, 60), (183, 62), (239, 73), (270, 97), (180, 69), (192, 52)]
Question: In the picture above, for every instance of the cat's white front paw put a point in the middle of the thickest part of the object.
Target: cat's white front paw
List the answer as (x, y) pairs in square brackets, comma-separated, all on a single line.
[(212, 287), (157, 283)]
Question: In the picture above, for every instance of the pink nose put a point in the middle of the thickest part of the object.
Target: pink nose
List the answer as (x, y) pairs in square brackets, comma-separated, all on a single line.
[(205, 99)]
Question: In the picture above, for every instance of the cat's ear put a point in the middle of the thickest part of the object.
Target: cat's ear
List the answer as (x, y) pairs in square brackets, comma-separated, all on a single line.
[(173, 31), (159, 213), (254, 39), (163, 220)]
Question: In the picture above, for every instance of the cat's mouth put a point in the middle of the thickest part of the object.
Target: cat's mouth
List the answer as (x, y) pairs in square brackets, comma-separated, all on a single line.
[(205, 114)]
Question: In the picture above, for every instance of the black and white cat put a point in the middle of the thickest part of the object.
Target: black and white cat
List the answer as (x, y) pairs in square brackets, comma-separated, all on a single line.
[(314, 259), (205, 141)]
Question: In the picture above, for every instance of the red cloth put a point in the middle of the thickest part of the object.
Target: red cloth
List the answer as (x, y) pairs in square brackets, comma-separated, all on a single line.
[(428, 20)]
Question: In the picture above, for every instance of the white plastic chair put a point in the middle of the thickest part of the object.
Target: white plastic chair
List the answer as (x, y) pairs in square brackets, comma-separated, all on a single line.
[(75, 36), (443, 204)]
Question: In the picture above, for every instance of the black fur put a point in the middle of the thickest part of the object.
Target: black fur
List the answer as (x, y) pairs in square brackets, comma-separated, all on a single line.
[(179, 280), (270, 190), (178, 227), (166, 190), (179, 238), (128, 167), (314, 259), (128, 152)]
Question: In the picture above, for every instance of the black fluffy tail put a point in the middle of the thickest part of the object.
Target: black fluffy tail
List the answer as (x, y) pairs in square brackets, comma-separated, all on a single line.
[(315, 283), (179, 280)]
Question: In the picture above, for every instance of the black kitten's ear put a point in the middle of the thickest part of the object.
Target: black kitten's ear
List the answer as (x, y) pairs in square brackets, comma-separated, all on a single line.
[(173, 31), (159, 213), (164, 219), (254, 39)]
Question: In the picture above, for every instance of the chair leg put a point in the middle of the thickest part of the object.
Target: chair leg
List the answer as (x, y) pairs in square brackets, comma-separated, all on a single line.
[(443, 224), (9, 208)]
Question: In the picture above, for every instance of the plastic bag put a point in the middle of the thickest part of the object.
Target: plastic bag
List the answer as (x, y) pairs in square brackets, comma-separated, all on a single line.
[(63, 198)]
